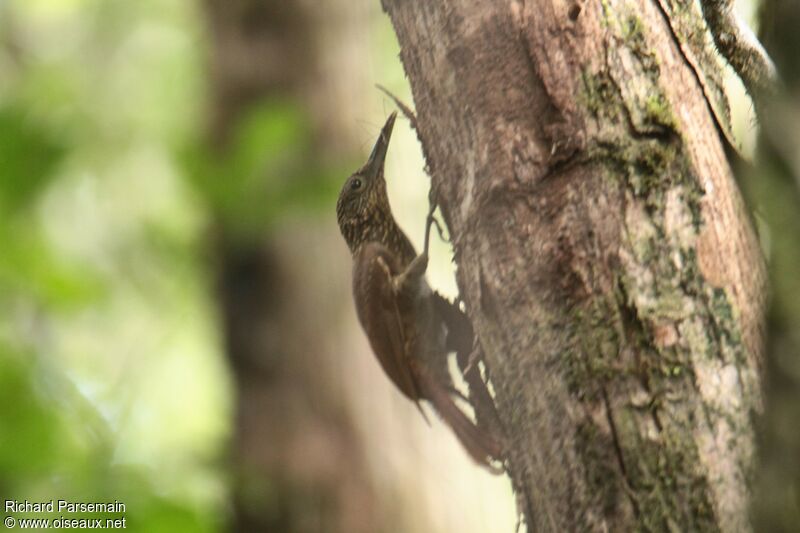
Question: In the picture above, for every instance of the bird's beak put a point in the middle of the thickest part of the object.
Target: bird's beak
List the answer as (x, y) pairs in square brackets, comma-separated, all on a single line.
[(374, 165)]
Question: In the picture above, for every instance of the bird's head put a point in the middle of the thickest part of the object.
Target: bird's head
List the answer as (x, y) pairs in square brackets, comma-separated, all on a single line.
[(363, 206)]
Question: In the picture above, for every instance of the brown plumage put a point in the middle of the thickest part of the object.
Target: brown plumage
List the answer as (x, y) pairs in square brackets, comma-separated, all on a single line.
[(405, 322)]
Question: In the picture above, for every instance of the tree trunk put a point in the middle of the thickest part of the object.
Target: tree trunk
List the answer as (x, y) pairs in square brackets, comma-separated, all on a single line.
[(298, 462), (604, 253)]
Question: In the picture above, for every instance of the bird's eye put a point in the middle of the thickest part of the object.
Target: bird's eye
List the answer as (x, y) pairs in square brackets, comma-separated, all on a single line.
[(355, 184)]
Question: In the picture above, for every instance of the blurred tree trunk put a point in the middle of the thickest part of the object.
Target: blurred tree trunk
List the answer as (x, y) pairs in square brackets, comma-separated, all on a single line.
[(604, 253), (774, 188), (298, 462)]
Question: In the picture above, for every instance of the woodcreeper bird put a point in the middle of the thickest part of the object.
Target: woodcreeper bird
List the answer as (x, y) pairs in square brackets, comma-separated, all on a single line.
[(410, 328)]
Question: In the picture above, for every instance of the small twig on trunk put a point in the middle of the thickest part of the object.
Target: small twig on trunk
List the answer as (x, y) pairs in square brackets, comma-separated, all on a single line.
[(407, 111)]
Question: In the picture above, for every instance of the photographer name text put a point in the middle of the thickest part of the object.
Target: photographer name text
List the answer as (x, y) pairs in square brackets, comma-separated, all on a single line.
[(64, 506)]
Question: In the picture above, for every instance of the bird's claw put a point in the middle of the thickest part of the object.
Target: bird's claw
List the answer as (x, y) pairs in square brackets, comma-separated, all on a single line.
[(473, 359)]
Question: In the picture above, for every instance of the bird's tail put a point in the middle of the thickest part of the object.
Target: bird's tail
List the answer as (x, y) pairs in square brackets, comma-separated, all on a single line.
[(482, 447), (461, 339)]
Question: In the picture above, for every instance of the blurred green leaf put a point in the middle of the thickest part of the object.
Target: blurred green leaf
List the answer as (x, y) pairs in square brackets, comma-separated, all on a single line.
[(267, 169), (28, 429), (48, 451), (28, 157), (29, 266)]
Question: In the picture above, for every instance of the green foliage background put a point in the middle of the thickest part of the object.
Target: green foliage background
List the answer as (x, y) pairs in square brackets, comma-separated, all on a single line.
[(113, 381), (112, 386)]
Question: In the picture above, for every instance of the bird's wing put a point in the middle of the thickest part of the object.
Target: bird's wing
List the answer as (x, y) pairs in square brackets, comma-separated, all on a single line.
[(377, 306), (460, 335), (377, 309)]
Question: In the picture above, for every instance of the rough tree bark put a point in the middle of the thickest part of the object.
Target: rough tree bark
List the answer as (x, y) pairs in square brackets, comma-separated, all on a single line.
[(604, 253)]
